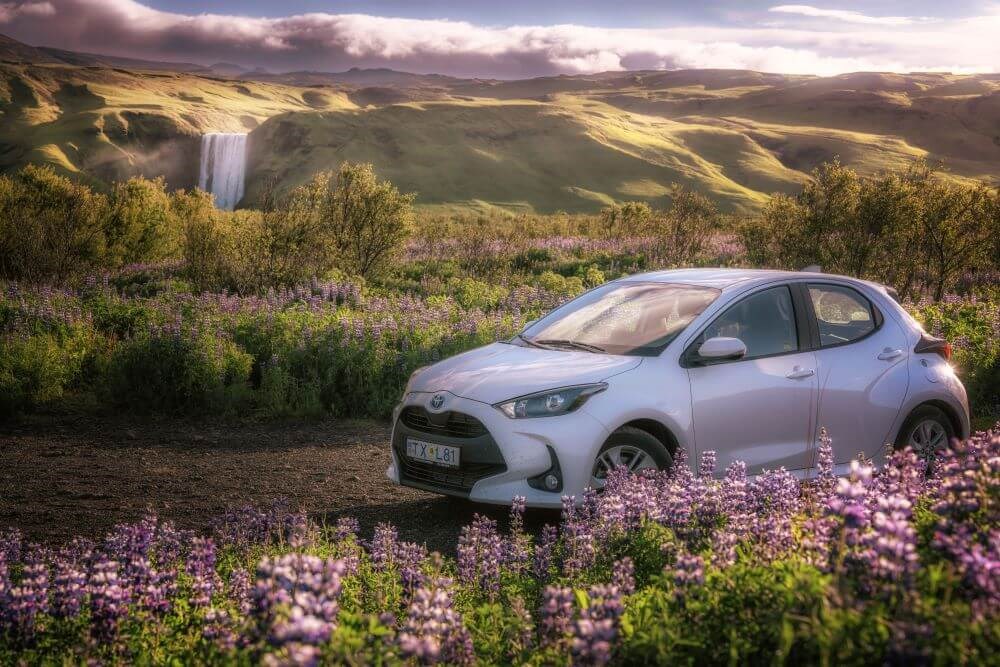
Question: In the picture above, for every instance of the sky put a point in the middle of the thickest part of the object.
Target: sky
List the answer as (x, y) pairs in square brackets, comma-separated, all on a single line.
[(524, 38)]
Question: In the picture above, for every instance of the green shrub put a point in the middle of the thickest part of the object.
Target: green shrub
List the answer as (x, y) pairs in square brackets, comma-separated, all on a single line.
[(177, 371), (38, 369), (553, 282), (973, 328), (471, 293), (50, 227)]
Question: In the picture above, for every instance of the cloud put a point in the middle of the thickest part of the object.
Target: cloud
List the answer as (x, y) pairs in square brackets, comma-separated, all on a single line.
[(844, 15), (332, 42), (11, 10)]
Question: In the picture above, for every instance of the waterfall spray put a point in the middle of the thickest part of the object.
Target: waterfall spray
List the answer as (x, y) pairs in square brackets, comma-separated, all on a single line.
[(223, 167)]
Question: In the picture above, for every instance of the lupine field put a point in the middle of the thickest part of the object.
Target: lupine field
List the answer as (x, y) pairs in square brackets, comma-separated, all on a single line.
[(894, 564), (140, 338)]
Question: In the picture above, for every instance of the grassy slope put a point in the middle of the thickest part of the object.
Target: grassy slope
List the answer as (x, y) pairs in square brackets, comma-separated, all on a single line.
[(555, 143), (101, 123)]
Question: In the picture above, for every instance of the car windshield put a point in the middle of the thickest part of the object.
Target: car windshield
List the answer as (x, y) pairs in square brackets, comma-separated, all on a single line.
[(630, 318)]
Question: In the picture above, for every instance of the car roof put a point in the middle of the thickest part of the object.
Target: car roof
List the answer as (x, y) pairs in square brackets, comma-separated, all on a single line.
[(724, 279)]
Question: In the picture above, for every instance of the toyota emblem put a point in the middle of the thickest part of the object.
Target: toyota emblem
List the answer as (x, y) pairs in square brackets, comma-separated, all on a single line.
[(437, 401)]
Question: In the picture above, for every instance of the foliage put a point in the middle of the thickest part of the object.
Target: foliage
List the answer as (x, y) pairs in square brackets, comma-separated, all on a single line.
[(50, 228), (973, 327), (172, 369), (367, 219), (912, 230), (888, 565)]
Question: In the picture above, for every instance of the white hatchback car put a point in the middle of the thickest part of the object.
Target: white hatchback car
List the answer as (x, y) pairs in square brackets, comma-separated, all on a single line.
[(750, 364)]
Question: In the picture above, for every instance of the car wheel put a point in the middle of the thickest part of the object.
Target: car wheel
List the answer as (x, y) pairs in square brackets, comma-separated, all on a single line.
[(926, 431), (632, 448)]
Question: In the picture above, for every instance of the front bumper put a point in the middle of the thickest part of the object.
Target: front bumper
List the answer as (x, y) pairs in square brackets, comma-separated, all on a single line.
[(497, 465)]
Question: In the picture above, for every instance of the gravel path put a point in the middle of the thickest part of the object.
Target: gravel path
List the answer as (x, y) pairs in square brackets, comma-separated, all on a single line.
[(67, 475)]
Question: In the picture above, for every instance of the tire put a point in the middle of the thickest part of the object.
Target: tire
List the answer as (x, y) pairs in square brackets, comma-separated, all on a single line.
[(926, 420), (626, 442)]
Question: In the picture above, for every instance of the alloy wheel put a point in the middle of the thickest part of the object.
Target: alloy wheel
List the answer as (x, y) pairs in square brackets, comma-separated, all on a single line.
[(627, 456), (927, 437)]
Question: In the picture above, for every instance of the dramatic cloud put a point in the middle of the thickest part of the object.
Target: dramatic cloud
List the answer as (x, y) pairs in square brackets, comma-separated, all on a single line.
[(810, 44), (843, 15)]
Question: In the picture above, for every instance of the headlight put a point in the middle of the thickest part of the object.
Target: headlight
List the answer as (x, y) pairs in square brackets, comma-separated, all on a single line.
[(550, 403)]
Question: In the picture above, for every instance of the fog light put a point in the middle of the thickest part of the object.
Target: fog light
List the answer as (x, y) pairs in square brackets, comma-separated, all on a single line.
[(551, 482)]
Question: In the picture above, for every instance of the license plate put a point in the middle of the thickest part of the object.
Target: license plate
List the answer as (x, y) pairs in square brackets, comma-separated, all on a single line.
[(441, 455)]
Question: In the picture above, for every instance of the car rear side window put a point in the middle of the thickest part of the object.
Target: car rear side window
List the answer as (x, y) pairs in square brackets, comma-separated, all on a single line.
[(843, 314), (764, 321)]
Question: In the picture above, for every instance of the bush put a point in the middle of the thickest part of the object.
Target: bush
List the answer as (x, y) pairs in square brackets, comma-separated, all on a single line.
[(143, 224), (177, 370), (37, 370), (367, 219), (50, 228), (912, 230), (973, 328)]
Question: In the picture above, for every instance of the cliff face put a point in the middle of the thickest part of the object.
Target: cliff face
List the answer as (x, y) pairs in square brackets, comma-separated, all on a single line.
[(54, 119)]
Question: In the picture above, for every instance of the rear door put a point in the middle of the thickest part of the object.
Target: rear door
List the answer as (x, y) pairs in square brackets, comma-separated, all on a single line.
[(861, 365), (757, 409)]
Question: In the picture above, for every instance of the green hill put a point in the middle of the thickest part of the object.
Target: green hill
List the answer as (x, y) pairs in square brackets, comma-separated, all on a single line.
[(573, 143)]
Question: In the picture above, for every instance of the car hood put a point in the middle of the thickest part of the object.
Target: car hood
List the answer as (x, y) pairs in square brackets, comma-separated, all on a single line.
[(501, 371)]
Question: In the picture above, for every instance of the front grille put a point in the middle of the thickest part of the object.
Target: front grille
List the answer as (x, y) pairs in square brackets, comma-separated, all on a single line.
[(451, 424), (461, 478)]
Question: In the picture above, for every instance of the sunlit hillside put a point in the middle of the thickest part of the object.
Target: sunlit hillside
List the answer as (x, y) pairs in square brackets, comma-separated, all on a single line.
[(573, 143), (101, 123)]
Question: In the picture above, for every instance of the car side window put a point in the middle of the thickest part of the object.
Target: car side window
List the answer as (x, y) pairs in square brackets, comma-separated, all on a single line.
[(843, 314), (764, 321)]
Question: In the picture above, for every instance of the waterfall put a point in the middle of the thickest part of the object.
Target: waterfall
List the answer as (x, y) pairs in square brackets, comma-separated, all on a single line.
[(223, 167)]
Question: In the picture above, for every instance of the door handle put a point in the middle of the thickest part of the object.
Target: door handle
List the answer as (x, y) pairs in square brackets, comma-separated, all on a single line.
[(800, 373), (888, 354)]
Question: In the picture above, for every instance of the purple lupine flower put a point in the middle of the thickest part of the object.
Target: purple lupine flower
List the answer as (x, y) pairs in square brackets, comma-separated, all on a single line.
[(706, 466), (544, 552), (597, 628), (201, 567), (525, 637), (108, 601), (27, 599), (383, 547), (894, 541), (239, 589), (347, 526), (434, 632), (480, 554), (156, 596), (295, 602), (411, 558), (825, 480), (68, 589), (516, 556), (623, 576), (219, 628), (689, 571), (555, 616), (578, 537)]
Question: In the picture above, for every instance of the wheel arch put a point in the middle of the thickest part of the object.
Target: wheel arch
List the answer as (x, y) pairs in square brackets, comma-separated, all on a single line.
[(657, 429), (945, 407)]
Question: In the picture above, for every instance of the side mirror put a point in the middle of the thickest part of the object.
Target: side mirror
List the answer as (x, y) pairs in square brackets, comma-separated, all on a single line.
[(721, 347)]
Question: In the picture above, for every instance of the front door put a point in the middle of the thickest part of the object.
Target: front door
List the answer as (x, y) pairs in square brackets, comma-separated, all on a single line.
[(757, 409)]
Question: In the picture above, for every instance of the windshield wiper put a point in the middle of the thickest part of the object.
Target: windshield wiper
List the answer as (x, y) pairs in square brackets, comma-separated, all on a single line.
[(575, 344), (530, 342)]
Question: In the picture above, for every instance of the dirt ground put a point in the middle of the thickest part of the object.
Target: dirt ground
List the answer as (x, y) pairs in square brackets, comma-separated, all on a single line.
[(67, 475)]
